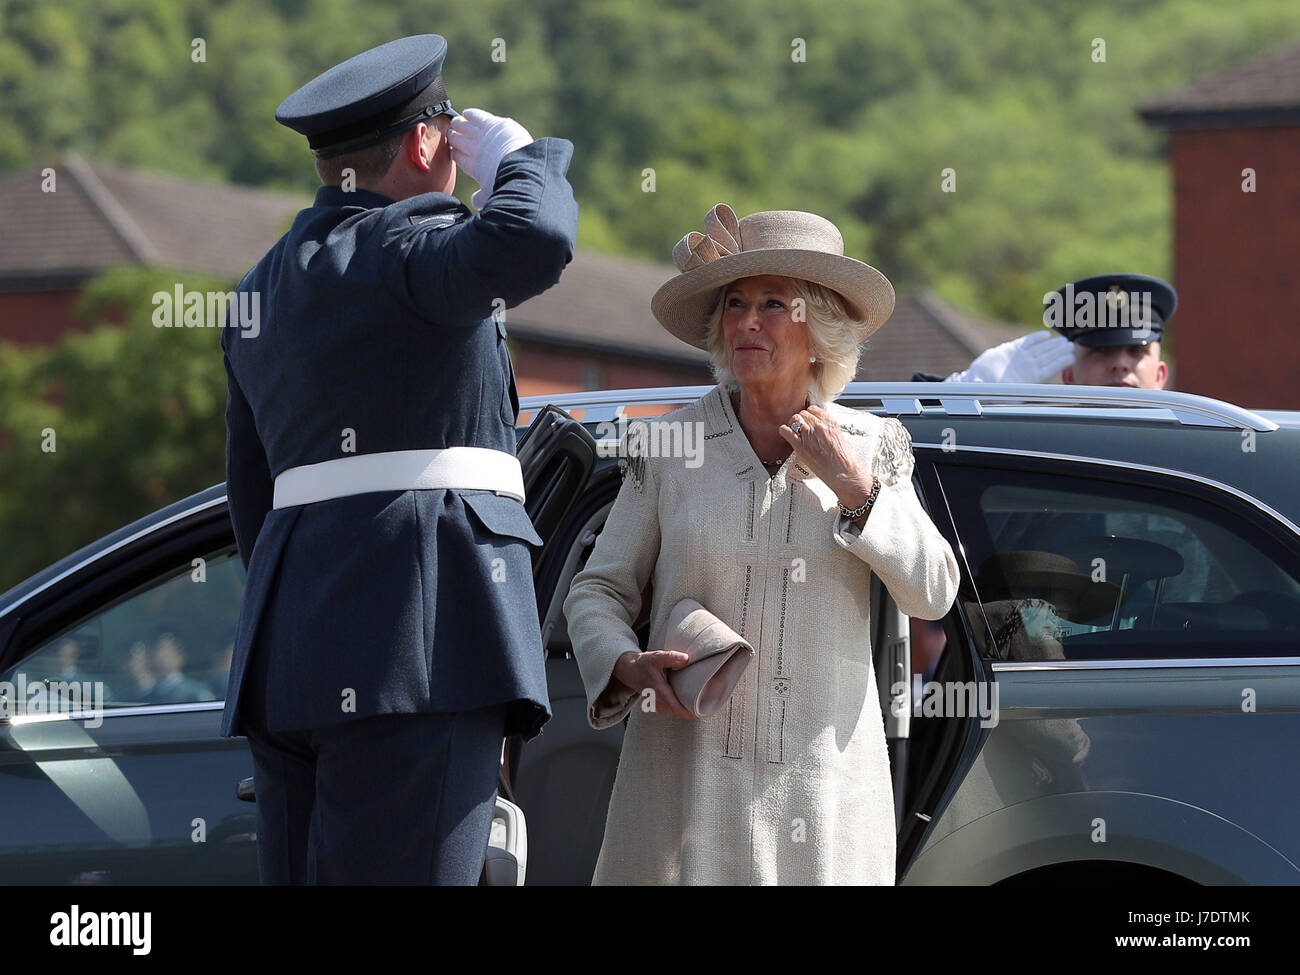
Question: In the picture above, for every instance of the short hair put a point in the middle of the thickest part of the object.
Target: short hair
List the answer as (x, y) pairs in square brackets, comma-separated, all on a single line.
[(372, 163), (1153, 344), (832, 338), (369, 165)]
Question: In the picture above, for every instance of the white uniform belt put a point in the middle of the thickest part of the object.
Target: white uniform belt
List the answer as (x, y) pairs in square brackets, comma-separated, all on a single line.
[(461, 468)]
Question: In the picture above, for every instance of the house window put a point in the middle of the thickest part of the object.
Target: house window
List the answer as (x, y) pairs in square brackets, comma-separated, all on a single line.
[(593, 375)]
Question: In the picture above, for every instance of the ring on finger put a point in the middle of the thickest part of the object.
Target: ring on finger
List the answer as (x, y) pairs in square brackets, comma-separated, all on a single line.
[(797, 425)]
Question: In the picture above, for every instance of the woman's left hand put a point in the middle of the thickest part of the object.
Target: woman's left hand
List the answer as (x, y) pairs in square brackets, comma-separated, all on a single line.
[(823, 448)]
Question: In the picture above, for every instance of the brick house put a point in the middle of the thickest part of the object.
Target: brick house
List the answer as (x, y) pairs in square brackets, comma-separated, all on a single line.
[(593, 330), (100, 217), (1235, 263)]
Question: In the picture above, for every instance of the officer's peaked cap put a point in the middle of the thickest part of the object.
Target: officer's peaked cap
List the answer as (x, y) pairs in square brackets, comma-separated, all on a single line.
[(368, 97)]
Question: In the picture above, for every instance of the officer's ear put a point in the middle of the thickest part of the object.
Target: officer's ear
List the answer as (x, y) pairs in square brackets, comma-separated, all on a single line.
[(420, 145), (1067, 375), (423, 144)]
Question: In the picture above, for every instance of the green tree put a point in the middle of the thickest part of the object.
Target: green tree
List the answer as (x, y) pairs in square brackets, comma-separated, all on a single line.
[(134, 413)]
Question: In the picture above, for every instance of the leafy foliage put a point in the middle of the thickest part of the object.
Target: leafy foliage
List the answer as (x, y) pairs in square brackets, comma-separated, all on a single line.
[(137, 420), (1056, 175)]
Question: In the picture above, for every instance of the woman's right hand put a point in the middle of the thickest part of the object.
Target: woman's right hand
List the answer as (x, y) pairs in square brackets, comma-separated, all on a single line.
[(639, 671)]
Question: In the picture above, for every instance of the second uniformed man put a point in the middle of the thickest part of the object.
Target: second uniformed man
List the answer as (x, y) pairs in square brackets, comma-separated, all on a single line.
[(1108, 330)]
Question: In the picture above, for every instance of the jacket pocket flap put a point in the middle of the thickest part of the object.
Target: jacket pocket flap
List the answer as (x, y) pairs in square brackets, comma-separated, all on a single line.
[(502, 516)]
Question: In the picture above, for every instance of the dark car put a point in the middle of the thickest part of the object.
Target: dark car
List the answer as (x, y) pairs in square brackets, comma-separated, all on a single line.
[(1114, 696)]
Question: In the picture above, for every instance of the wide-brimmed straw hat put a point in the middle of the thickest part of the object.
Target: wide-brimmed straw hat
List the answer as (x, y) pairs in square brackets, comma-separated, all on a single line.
[(1054, 578), (791, 243)]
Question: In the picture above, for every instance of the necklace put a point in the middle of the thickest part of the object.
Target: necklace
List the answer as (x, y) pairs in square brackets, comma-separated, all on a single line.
[(735, 408)]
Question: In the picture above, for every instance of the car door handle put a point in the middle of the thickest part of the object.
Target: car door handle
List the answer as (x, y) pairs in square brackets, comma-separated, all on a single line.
[(244, 790)]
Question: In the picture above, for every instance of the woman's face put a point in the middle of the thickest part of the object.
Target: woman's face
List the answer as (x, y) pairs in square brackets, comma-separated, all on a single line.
[(766, 347)]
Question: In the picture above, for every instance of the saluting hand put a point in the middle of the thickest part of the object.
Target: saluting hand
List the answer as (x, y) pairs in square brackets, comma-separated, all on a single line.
[(1032, 358), (478, 140), (822, 447)]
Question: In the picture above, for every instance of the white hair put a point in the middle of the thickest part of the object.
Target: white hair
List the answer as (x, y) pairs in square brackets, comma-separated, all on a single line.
[(831, 338)]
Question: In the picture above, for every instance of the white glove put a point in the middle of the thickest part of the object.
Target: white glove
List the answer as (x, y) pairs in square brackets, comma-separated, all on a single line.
[(478, 141), (1035, 358)]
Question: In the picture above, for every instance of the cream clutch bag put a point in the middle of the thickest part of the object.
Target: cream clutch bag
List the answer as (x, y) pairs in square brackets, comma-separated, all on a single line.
[(718, 657)]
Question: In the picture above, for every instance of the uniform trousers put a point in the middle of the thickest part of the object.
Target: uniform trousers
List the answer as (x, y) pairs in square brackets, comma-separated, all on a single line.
[(388, 799)]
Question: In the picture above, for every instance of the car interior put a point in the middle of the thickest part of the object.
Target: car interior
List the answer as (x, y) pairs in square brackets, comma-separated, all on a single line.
[(1184, 577), (167, 641)]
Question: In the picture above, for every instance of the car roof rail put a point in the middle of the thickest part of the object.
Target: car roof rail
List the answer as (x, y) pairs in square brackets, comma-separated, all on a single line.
[(968, 399), (953, 399)]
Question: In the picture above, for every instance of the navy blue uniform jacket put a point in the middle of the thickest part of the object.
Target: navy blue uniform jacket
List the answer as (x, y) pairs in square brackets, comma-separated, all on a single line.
[(377, 325)]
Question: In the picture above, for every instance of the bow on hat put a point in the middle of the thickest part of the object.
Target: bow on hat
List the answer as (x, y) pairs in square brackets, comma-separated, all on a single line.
[(721, 237)]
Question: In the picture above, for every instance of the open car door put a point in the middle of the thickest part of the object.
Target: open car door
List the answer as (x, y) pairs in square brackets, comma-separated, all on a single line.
[(557, 455)]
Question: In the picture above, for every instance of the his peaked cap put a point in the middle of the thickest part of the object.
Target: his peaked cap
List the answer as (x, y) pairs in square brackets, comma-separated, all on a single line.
[(370, 96)]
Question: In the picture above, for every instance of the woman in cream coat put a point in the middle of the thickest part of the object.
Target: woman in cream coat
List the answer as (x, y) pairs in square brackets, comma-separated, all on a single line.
[(796, 502)]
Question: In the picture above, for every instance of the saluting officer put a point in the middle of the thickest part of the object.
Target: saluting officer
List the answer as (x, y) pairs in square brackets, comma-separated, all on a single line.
[(1108, 330), (389, 636)]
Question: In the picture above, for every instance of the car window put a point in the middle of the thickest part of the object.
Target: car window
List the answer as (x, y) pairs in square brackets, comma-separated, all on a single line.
[(1070, 568), (169, 642)]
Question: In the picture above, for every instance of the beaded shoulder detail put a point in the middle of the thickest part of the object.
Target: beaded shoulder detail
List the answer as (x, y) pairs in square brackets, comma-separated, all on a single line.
[(893, 462), (632, 455), (640, 443), (854, 430), (854, 422), (633, 468)]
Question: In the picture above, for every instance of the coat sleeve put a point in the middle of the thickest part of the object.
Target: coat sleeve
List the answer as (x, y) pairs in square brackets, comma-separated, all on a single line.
[(605, 597), (249, 486), (898, 540), (512, 249)]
